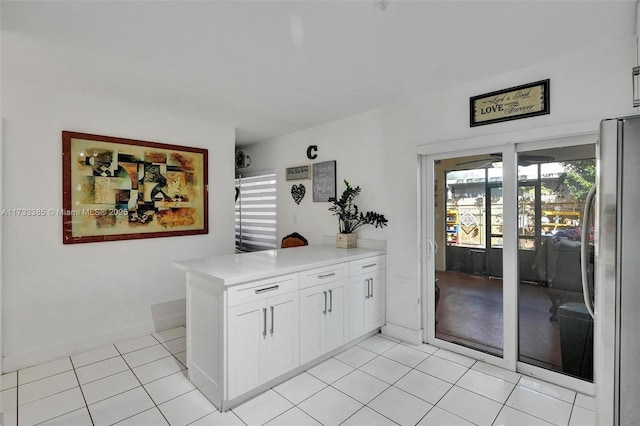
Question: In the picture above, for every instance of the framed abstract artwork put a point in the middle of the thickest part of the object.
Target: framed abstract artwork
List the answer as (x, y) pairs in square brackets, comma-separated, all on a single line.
[(120, 189)]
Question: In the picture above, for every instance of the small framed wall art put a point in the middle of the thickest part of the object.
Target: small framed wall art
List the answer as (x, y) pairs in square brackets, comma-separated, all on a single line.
[(524, 101), (324, 181), (119, 189), (298, 173)]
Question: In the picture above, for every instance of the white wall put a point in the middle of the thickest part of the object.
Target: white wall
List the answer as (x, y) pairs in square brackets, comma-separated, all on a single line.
[(377, 151), (63, 299)]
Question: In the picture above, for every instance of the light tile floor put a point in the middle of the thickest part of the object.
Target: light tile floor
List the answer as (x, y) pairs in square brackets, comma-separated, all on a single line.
[(378, 382)]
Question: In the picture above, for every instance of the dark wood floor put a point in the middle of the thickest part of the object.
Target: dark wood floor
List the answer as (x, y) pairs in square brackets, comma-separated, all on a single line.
[(469, 313)]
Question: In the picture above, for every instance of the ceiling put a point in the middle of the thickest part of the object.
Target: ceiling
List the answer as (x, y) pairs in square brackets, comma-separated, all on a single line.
[(270, 68)]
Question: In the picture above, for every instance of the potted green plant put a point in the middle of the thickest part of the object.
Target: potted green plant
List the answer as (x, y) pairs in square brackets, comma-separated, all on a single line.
[(350, 218)]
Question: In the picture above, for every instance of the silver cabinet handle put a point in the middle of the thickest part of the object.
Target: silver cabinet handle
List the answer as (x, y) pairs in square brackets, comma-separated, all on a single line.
[(371, 265), (325, 303), (366, 292), (330, 300), (331, 274), (264, 330), (271, 321), (264, 290), (371, 294)]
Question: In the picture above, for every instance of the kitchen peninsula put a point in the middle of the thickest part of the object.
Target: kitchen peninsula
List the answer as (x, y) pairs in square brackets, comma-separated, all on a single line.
[(257, 319)]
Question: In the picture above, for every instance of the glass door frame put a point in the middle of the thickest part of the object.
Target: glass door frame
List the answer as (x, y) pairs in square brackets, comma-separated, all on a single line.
[(490, 235), (509, 259), (586, 133)]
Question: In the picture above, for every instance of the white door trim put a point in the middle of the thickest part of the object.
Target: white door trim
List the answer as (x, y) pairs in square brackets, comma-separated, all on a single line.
[(1, 236), (531, 135)]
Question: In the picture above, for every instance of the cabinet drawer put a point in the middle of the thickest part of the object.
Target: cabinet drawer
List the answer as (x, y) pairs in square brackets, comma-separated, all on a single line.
[(262, 289), (323, 275), (364, 266)]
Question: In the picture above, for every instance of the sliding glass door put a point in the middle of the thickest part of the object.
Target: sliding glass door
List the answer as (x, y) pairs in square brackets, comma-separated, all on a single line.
[(555, 329), (468, 251), (502, 237), (468, 275)]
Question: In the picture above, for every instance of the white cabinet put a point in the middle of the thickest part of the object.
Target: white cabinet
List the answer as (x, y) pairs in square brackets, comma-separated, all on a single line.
[(323, 324), (366, 295), (255, 319), (322, 320), (263, 334), (247, 347), (375, 312), (283, 352)]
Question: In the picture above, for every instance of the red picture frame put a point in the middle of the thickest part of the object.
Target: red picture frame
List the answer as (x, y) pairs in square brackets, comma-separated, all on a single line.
[(120, 189)]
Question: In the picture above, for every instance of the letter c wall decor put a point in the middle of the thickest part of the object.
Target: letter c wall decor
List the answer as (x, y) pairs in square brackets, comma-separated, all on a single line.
[(311, 152)]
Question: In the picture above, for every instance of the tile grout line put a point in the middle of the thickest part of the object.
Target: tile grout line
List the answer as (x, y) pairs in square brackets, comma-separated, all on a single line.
[(573, 406), (504, 404), (93, 363), (453, 385), (79, 385), (216, 410), (412, 369), (281, 414), (528, 414), (150, 362), (121, 355), (81, 391), (57, 393), (145, 390), (328, 385), (510, 393), (367, 406), (460, 387), (146, 363), (377, 395), (315, 393), (111, 396), (17, 397), (387, 388)]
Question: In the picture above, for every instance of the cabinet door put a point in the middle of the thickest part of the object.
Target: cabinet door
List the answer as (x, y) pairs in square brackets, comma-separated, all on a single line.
[(356, 299), (283, 336), (376, 301), (247, 340), (335, 316), (313, 306)]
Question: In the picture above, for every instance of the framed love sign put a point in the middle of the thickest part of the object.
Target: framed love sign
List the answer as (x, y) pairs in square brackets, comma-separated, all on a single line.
[(524, 101)]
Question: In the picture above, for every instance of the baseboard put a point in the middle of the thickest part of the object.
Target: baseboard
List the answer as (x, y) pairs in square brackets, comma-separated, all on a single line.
[(50, 353), (405, 334)]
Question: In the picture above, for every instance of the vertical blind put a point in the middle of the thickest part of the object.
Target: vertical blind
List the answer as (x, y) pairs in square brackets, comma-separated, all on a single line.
[(256, 212)]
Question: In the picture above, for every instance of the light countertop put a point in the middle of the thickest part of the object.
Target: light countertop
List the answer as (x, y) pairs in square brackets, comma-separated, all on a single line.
[(228, 270)]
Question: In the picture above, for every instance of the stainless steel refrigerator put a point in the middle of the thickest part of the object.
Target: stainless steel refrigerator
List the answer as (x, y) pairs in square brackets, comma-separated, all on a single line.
[(617, 273)]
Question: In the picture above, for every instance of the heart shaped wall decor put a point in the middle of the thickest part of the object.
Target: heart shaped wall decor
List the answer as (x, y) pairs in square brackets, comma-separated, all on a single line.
[(297, 192)]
